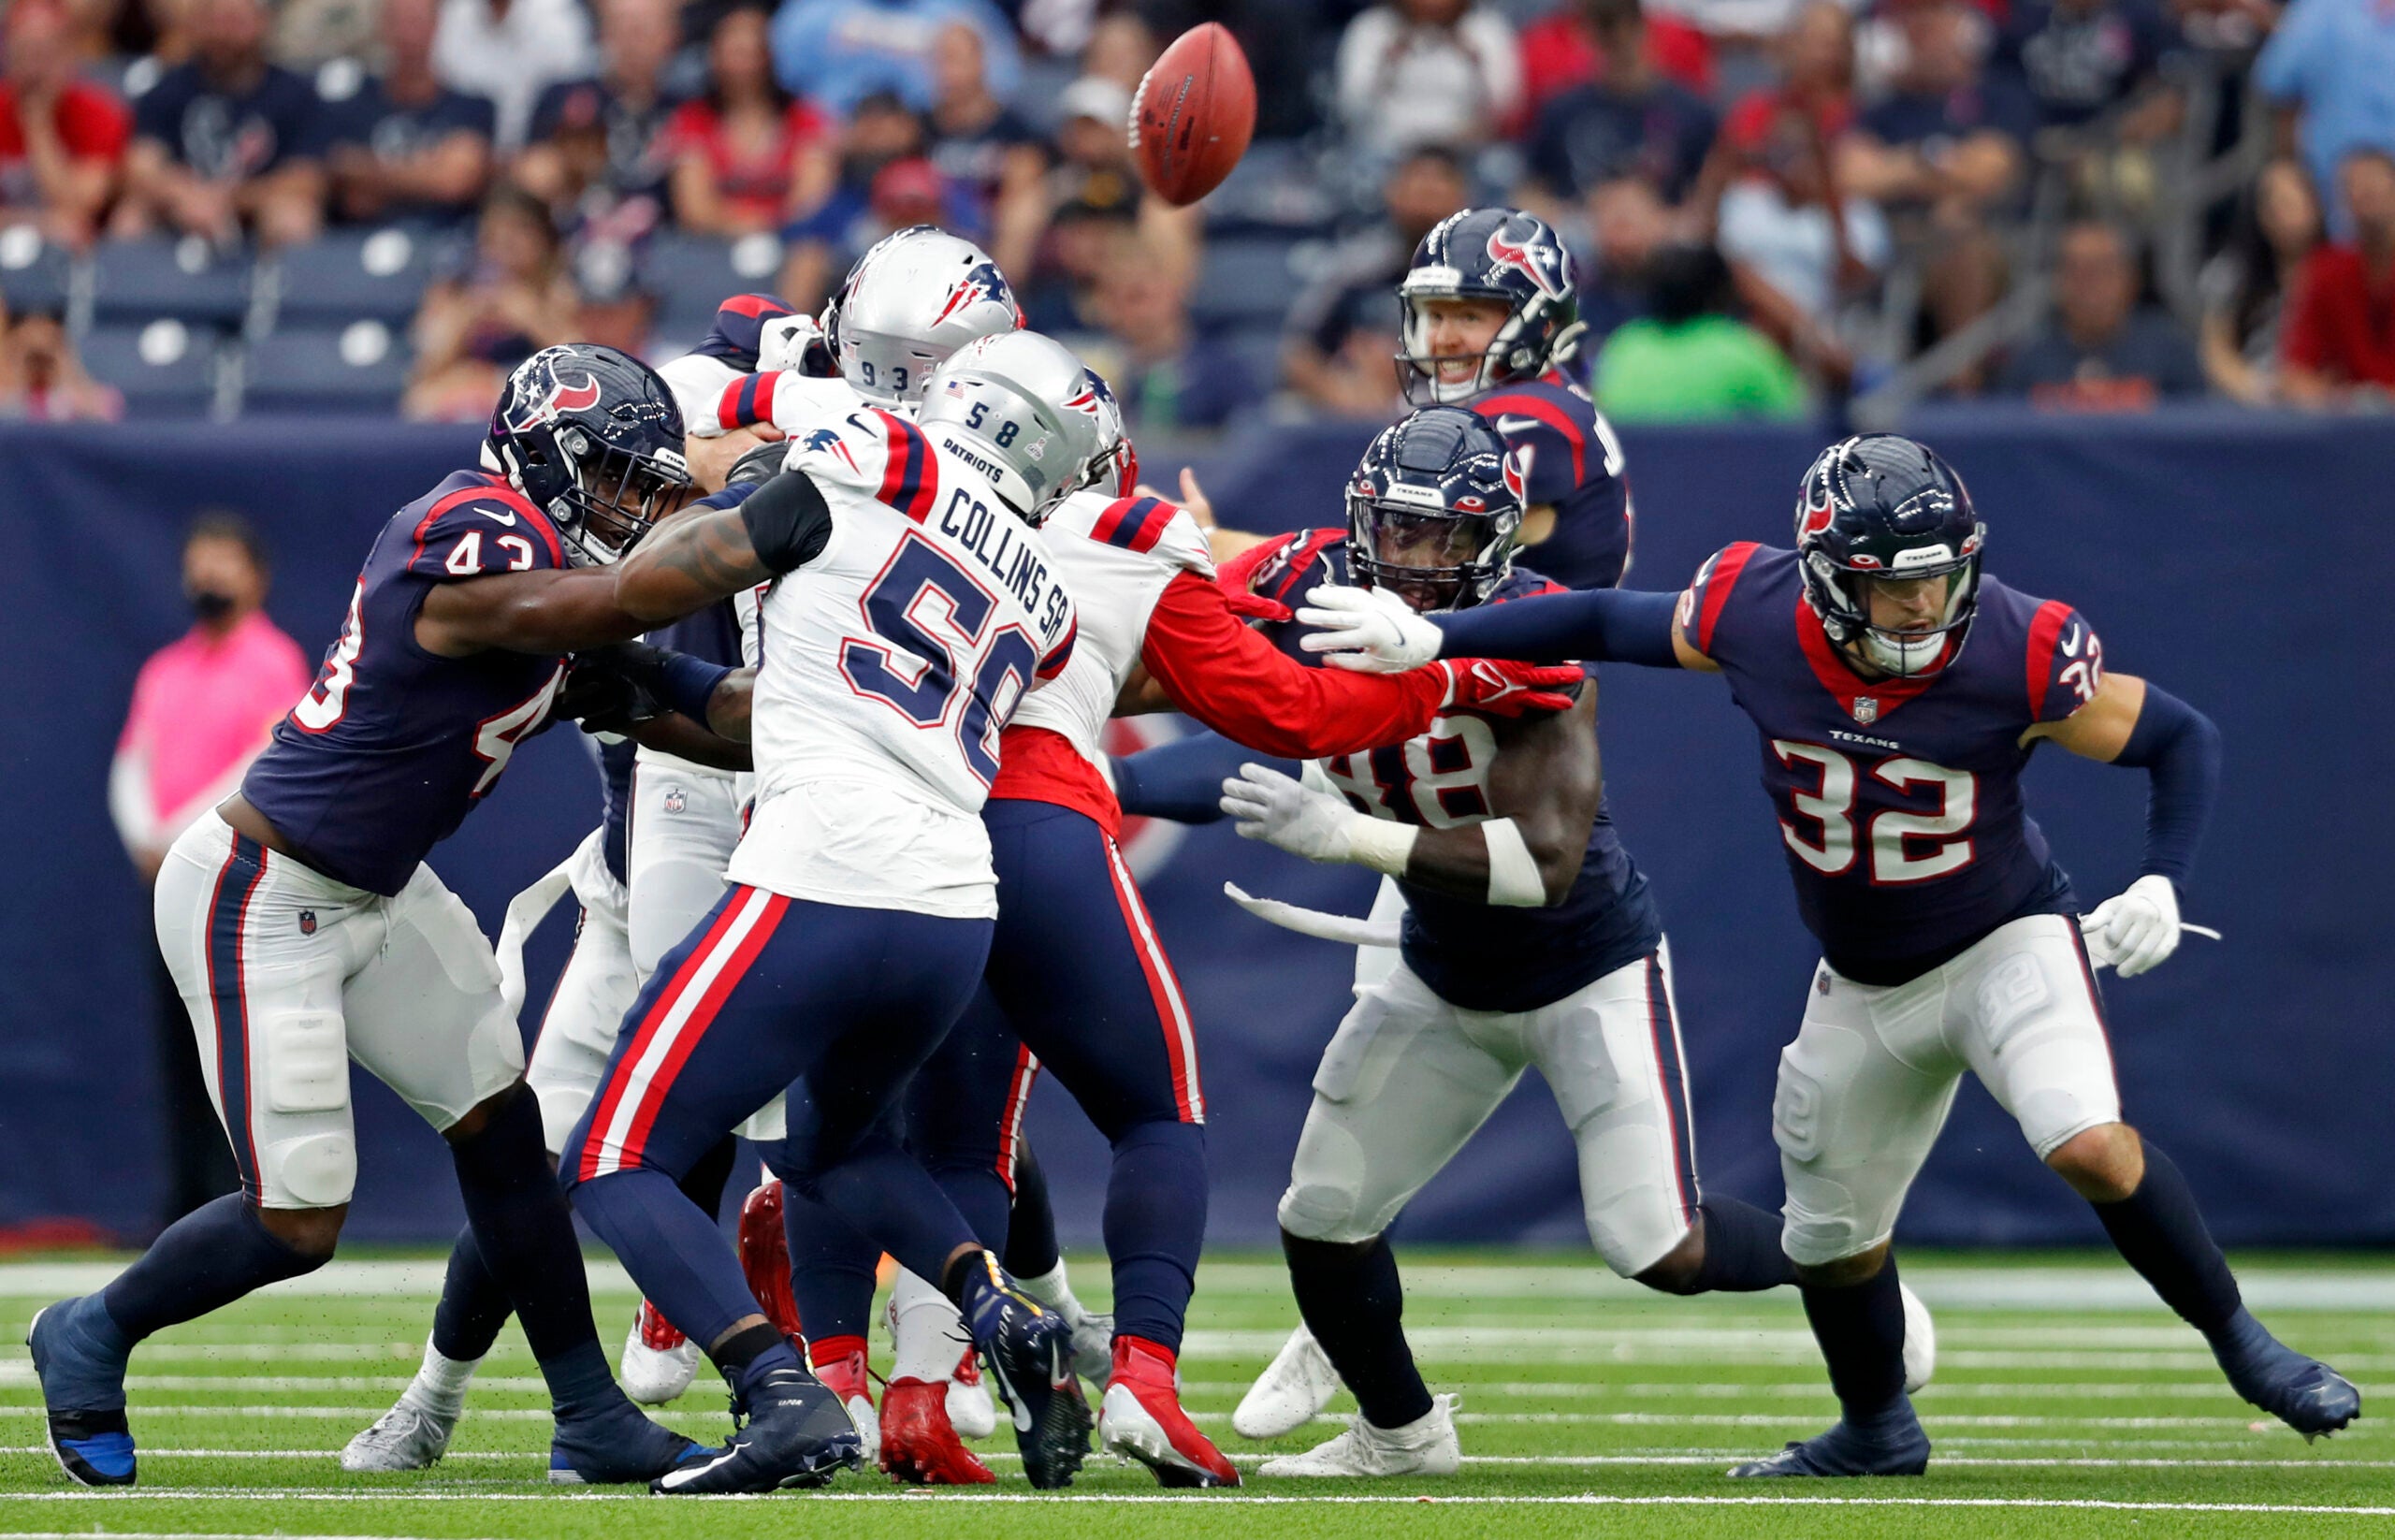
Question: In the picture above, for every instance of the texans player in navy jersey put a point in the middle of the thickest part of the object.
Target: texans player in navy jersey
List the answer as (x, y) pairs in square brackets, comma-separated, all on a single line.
[(304, 929), (1898, 694), (1492, 316), (1530, 938)]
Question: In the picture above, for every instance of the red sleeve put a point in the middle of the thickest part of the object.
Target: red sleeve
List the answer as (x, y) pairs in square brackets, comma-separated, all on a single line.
[(1229, 678), (2308, 337), (94, 125)]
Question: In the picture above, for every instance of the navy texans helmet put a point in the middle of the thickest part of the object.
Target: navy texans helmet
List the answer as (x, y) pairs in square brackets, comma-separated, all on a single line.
[(593, 437), (1491, 253), (1434, 509), (1879, 506)]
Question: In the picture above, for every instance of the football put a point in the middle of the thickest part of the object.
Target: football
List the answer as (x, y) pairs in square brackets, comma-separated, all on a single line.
[(1193, 113)]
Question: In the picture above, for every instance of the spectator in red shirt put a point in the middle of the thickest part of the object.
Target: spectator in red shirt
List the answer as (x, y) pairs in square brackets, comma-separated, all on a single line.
[(2340, 337), (62, 140), (1566, 47), (748, 156)]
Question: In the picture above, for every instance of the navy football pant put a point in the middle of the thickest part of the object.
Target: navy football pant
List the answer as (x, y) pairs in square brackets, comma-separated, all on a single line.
[(766, 990), (1077, 977)]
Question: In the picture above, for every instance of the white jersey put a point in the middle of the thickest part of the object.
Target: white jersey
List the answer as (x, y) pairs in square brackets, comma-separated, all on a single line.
[(1115, 555), (888, 667)]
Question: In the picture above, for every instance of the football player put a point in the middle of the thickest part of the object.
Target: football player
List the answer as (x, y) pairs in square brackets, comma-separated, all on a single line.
[(304, 929), (1899, 693), (912, 605), (1530, 938)]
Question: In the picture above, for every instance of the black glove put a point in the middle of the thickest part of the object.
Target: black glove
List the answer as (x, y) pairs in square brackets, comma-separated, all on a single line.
[(601, 696), (760, 465)]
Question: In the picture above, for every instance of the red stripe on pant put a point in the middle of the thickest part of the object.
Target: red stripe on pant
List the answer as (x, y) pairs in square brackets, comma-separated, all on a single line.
[(702, 1015), (1164, 988), (1027, 1073), (1672, 1082), (611, 1094)]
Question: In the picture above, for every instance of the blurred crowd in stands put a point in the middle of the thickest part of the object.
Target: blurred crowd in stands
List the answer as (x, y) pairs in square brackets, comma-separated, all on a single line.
[(1778, 205)]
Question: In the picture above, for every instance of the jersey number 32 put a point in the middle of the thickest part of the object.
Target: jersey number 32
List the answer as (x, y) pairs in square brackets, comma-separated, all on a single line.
[(1905, 846)]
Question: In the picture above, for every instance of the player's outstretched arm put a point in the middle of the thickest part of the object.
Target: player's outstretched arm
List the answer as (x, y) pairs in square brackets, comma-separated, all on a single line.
[(554, 610), (1374, 630), (1205, 661), (1543, 789), (724, 547)]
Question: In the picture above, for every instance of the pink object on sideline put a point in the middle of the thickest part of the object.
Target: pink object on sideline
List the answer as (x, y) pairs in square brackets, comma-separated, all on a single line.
[(202, 708)]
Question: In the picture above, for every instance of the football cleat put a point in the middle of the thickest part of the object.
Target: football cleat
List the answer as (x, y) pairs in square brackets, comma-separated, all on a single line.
[(764, 1257), (919, 1442), (82, 1391), (1294, 1389), (1921, 1343), (405, 1438), (1424, 1446), (970, 1410), (2304, 1393), (1141, 1418), (795, 1434), (616, 1446), (1093, 1347), (659, 1362), (844, 1371), (1030, 1354), (1893, 1444)]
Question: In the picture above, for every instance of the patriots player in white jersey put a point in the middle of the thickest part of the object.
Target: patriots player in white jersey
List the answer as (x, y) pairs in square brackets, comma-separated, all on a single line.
[(911, 606)]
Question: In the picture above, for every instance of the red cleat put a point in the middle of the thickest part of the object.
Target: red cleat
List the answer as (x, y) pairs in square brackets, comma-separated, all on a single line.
[(764, 1257), (657, 1333), (839, 1363), (918, 1445), (1141, 1418)]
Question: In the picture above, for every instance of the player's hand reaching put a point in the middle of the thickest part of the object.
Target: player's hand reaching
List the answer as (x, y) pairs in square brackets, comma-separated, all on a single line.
[(601, 697), (1272, 807), (1507, 688), (1370, 630), (2136, 931)]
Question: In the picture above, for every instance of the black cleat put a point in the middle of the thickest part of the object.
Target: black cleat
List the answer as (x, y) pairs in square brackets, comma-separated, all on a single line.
[(83, 1390), (1893, 1444), (2304, 1393), (796, 1434), (1029, 1353)]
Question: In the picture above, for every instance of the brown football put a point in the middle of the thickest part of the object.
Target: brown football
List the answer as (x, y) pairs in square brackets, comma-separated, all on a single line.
[(1194, 114)]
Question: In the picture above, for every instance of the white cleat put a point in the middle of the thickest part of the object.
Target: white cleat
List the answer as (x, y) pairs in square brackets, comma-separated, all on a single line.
[(1921, 1343), (659, 1362), (1424, 1446), (1295, 1387), (868, 1426), (405, 1438), (970, 1410)]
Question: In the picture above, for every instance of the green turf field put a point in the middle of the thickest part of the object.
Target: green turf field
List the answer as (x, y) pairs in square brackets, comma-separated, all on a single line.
[(2067, 1403)]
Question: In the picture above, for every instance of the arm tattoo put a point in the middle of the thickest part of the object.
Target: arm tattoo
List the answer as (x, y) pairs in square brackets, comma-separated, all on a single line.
[(688, 565)]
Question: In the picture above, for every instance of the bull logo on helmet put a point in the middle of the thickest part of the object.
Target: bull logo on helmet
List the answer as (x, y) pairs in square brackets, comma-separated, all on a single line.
[(1538, 260), (981, 281), (1813, 518), (561, 398), (1514, 469)]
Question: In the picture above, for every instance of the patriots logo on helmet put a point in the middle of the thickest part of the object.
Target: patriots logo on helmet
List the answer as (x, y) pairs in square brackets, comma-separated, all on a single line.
[(1086, 402), (981, 281), (1541, 261)]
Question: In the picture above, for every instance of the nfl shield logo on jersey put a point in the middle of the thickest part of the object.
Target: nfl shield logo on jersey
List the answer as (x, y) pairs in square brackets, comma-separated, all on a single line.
[(1866, 710), (675, 800), (307, 922)]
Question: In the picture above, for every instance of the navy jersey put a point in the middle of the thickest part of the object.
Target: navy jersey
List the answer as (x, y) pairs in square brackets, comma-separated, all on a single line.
[(615, 803), (1576, 466), (383, 757), (1471, 953), (1899, 800)]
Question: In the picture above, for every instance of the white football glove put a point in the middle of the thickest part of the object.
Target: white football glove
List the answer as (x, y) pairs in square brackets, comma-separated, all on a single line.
[(782, 341), (1270, 807), (1369, 630), (2136, 931)]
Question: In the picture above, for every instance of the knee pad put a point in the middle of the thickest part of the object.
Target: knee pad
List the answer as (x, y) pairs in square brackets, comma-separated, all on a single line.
[(1632, 1205), (1821, 1222), (317, 1171), (1326, 1186)]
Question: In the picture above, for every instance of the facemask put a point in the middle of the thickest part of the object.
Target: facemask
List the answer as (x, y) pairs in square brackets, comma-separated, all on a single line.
[(210, 605)]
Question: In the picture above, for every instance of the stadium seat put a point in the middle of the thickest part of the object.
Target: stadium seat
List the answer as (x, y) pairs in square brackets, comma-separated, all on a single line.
[(34, 274), (1244, 284), (689, 276), (358, 369), (134, 282), (351, 275), (166, 368)]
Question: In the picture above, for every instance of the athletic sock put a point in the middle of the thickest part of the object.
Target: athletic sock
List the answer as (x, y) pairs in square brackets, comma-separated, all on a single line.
[(440, 1384), (473, 1306), (1055, 1289), (1031, 1227), (744, 1355), (1155, 1225), (705, 1181), (210, 1258), (2160, 1232), (1860, 1329), (677, 1254), (926, 1335), (525, 1235), (1741, 1249), (1355, 1305), (832, 1267)]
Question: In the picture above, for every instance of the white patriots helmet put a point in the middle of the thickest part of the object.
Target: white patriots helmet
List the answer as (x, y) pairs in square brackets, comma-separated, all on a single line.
[(917, 297), (1025, 413)]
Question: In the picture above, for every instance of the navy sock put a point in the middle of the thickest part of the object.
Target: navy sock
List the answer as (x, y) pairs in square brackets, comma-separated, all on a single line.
[(1741, 1249), (2160, 1232), (205, 1260), (1355, 1306), (1860, 1329), (881, 1189), (525, 1235), (473, 1304), (1031, 1249), (677, 1254), (1155, 1225), (831, 1267), (705, 1181)]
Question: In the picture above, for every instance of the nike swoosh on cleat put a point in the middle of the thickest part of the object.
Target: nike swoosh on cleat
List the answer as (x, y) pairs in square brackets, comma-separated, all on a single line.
[(682, 1476)]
